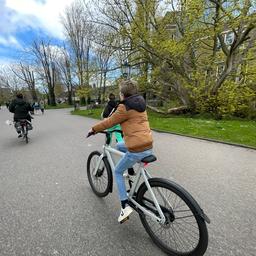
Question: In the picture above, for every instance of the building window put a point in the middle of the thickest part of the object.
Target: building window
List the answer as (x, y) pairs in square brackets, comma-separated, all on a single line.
[(218, 44), (229, 38), (220, 69)]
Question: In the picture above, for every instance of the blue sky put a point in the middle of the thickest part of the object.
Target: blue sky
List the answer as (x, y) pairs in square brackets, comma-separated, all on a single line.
[(22, 21)]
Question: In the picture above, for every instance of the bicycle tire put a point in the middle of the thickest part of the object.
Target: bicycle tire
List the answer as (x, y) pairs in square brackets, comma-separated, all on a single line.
[(26, 134), (190, 202), (106, 168)]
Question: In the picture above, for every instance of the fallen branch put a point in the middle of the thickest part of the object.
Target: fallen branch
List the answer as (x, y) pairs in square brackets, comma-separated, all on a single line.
[(175, 111)]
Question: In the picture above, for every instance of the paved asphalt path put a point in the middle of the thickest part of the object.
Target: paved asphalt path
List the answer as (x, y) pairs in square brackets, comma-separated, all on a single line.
[(48, 208)]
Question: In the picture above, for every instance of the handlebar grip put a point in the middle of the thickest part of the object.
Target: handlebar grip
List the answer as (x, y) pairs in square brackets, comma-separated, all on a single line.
[(90, 134)]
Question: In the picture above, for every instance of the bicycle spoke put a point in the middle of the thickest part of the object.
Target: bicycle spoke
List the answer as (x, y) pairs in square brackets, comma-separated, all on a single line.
[(175, 240), (182, 233), (188, 237), (100, 179), (178, 205), (183, 217), (186, 230), (182, 240)]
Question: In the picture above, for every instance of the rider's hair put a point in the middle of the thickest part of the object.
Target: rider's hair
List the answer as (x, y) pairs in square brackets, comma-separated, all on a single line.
[(128, 87), (19, 95), (112, 96)]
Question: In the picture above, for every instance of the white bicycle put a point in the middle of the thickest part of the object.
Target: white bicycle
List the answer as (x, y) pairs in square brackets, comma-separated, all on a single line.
[(169, 214)]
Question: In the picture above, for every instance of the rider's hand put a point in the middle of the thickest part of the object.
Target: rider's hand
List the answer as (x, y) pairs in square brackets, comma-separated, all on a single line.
[(90, 132)]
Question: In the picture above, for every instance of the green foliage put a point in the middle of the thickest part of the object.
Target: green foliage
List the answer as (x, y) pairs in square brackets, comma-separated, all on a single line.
[(185, 53), (83, 92), (59, 106), (235, 99)]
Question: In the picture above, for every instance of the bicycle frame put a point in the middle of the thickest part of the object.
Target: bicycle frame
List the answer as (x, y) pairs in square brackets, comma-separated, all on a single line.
[(141, 173)]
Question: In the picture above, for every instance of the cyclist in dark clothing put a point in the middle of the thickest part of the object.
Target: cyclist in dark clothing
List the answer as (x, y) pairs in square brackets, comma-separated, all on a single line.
[(108, 111), (21, 109), (112, 104)]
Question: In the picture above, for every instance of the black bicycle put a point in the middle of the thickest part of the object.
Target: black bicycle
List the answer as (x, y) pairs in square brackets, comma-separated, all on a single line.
[(23, 125)]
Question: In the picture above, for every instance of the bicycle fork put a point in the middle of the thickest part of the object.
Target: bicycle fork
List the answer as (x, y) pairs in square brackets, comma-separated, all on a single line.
[(98, 164)]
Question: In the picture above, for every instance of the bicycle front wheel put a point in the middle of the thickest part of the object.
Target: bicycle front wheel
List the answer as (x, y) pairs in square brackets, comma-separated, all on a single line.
[(184, 232), (101, 179)]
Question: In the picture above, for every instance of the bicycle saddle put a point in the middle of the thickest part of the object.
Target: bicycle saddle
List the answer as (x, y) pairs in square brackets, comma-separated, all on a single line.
[(149, 159)]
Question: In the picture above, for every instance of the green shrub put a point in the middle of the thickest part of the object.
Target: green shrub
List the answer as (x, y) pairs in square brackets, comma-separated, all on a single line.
[(235, 99)]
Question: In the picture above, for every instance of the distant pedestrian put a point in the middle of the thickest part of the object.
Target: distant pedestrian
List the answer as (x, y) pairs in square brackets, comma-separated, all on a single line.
[(42, 106), (7, 104), (36, 107)]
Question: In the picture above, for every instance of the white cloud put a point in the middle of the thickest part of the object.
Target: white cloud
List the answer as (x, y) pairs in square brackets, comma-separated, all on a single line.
[(37, 14), (9, 41)]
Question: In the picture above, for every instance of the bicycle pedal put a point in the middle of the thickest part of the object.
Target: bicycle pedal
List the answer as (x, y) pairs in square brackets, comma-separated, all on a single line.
[(124, 220)]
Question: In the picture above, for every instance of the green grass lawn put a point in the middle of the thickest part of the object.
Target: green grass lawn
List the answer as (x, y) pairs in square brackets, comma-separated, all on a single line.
[(234, 131), (58, 106)]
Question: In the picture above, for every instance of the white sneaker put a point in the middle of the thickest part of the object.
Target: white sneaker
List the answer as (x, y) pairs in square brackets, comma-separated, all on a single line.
[(124, 214)]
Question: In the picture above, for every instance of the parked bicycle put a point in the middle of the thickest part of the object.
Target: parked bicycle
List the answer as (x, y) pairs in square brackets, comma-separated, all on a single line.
[(170, 215)]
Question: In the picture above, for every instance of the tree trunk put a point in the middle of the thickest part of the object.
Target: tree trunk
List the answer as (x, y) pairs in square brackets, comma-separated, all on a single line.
[(70, 97), (104, 86), (174, 111), (82, 101), (52, 97), (48, 99), (225, 73), (34, 95)]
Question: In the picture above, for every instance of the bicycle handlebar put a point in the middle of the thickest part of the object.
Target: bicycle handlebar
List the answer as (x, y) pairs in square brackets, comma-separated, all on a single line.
[(109, 132), (104, 132)]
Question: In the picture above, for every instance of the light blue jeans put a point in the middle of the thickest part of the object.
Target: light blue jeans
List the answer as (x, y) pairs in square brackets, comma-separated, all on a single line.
[(127, 161)]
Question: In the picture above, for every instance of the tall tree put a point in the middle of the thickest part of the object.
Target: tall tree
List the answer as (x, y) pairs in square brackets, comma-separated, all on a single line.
[(66, 72), (45, 55), (79, 33), (9, 81), (26, 73)]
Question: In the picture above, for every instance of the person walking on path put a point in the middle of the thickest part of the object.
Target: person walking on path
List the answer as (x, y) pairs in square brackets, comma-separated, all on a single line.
[(42, 106), (7, 104), (36, 107)]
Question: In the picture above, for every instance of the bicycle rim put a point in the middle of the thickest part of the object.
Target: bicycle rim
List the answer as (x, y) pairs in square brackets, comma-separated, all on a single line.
[(101, 180), (184, 232)]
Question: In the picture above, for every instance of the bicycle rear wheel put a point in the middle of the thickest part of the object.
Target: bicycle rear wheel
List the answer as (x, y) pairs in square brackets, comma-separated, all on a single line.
[(101, 181), (184, 233), (26, 138), (26, 134)]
